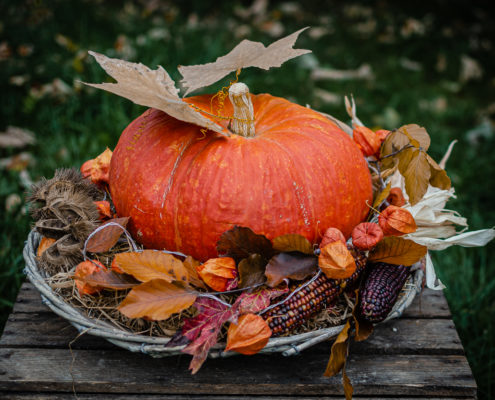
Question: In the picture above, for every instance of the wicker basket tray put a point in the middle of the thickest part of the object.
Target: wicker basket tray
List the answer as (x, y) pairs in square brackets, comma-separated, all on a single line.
[(155, 346)]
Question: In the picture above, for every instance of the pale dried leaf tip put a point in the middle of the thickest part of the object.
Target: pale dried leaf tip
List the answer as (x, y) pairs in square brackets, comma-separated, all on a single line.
[(446, 157), (350, 107), (150, 88), (245, 54)]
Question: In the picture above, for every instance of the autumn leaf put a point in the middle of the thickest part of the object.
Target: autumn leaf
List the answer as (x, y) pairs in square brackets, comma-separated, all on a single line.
[(106, 235), (382, 196), (249, 335), (439, 177), (258, 301), (366, 235), (414, 167), (190, 264), (45, 243), (84, 269), (103, 207), (332, 235), (417, 135), (396, 221), (251, 271), (148, 265), (338, 354), (240, 242), (218, 273), (98, 169), (398, 251), (157, 300), (336, 261), (293, 242), (363, 328), (295, 266), (394, 142), (109, 279)]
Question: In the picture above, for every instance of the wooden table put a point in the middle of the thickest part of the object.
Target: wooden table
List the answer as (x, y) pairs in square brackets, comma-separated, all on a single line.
[(417, 356)]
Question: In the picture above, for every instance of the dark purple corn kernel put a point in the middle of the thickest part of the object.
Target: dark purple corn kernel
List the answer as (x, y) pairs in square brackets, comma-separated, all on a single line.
[(381, 289)]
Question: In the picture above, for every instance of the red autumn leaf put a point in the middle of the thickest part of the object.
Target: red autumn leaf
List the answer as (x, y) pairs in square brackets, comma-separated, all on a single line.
[(332, 235), (240, 242), (396, 197), (106, 235), (109, 279), (258, 301), (295, 266), (367, 140), (336, 261), (249, 335), (396, 221), (366, 235), (218, 273), (84, 269), (103, 207), (147, 265), (45, 243), (156, 300), (98, 169)]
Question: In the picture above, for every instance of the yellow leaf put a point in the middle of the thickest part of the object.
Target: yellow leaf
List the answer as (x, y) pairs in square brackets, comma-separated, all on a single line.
[(395, 141), (151, 264), (438, 177), (339, 352), (382, 195), (157, 300), (190, 264), (415, 169), (398, 251), (417, 135), (293, 242)]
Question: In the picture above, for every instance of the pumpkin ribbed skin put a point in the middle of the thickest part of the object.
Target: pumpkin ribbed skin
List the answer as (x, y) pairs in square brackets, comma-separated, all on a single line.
[(183, 189)]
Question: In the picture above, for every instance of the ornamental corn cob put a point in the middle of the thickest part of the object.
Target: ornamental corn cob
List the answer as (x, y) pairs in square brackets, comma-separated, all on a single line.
[(310, 300), (381, 289)]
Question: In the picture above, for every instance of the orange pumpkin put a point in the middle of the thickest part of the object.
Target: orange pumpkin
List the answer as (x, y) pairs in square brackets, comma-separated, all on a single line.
[(183, 187)]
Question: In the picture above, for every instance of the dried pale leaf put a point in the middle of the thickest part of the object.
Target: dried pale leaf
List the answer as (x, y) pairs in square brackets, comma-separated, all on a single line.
[(45, 243), (432, 282), (109, 279), (106, 235), (249, 335), (336, 261), (258, 301), (191, 265), (289, 266), (445, 158), (218, 273), (382, 196), (338, 355), (398, 251), (150, 88), (466, 239), (245, 54), (417, 135), (251, 271), (148, 265), (157, 300), (350, 107), (16, 137), (240, 242), (292, 242)]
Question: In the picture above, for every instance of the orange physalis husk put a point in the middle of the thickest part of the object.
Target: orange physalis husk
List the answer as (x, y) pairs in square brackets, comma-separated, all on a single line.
[(103, 207), (249, 335), (332, 235), (367, 140), (115, 267), (396, 221), (382, 134), (98, 169), (44, 244), (218, 273), (396, 197), (366, 235), (84, 269), (336, 261)]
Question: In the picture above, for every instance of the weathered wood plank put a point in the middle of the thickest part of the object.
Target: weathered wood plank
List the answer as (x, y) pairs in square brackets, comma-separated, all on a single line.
[(29, 300), (110, 371), (402, 336)]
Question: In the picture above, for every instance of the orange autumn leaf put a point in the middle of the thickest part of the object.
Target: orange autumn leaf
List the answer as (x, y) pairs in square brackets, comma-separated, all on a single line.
[(366, 235), (190, 264), (336, 261), (107, 235), (396, 197), (367, 140), (83, 270), (217, 273), (115, 267), (332, 235), (104, 211), (45, 243), (147, 265), (398, 251), (249, 335), (98, 169), (396, 221), (156, 300)]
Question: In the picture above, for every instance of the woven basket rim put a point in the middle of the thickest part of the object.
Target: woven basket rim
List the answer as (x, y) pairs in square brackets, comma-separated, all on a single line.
[(155, 346)]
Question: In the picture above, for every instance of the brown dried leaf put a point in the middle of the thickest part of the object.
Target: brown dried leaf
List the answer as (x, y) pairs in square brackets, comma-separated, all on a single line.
[(107, 235), (338, 355), (417, 135), (156, 300), (398, 251), (245, 54), (382, 196), (148, 265), (290, 266), (150, 88), (293, 242), (251, 271), (395, 141), (249, 335), (415, 169), (109, 279), (240, 242), (190, 264), (439, 177)]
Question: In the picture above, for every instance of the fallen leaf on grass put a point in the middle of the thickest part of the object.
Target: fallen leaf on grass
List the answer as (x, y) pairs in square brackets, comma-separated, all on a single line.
[(249, 335), (398, 251), (106, 235), (295, 266)]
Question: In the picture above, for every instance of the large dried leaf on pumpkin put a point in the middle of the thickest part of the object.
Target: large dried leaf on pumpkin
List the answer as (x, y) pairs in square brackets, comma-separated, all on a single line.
[(251, 271), (240, 242), (150, 88), (249, 335), (292, 242), (106, 236), (245, 54), (295, 266), (147, 265), (157, 300), (258, 301), (398, 251), (109, 279)]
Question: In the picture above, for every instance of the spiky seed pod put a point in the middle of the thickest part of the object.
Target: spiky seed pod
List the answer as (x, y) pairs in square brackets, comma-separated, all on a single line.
[(381, 289), (311, 300)]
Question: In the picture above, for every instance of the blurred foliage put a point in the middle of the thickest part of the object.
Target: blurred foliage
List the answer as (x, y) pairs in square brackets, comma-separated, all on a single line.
[(431, 63)]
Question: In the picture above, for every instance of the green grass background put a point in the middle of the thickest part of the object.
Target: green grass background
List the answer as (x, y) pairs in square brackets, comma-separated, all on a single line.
[(41, 41)]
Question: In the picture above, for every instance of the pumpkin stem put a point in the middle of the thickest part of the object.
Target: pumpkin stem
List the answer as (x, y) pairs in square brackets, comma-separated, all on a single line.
[(242, 122)]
